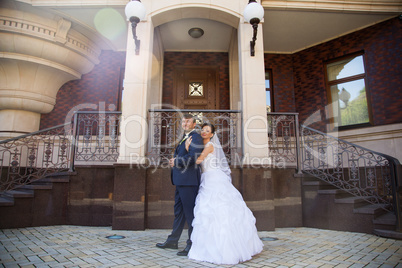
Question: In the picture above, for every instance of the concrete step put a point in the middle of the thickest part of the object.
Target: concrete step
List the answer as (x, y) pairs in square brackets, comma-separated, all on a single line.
[(388, 234), (7, 198), (19, 193), (307, 177), (356, 201), (314, 183), (372, 209), (55, 179), (27, 191), (386, 219), (6, 201), (37, 186), (330, 191), (59, 177)]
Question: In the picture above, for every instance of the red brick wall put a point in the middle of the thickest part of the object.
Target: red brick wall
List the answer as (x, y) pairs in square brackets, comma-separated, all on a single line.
[(200, 59), (282, 81), (98, 87), (302, 72), (382, 48)]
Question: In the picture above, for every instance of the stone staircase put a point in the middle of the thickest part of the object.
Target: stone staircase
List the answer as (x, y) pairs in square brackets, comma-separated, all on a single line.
[(40, 203), (327, 207), (8, 198)]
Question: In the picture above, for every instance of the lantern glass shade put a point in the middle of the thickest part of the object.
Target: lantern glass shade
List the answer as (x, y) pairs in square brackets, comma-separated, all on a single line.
[(253, 10), (135, 9)]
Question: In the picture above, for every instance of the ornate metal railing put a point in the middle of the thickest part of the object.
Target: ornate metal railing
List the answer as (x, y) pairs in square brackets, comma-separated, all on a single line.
[(283, 139), (361, 172), (92, 137), (165, 132), (97, 137), (33, 156)]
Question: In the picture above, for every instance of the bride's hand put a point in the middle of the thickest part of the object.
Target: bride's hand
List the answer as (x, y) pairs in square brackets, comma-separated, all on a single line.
[(188, 142)]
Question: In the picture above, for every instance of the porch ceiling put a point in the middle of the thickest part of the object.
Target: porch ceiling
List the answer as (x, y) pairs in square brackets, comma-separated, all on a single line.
[(284, 30)]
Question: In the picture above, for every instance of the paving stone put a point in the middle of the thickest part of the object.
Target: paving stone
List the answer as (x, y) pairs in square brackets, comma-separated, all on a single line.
[(77, 246)]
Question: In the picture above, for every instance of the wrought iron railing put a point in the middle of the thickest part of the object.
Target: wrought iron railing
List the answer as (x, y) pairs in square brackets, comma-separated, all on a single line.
[(97, 137), (93, 137), (359, 171), (283, 139), (165, 132), (33, 156)]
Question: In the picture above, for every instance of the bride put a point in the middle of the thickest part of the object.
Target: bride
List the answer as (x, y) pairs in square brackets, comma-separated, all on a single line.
[(224, 229)]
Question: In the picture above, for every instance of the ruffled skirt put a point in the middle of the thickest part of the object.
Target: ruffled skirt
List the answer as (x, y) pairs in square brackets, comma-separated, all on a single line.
[(224, 229)]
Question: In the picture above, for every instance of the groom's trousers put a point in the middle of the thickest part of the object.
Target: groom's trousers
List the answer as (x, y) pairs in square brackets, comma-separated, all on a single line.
[(183, 212)]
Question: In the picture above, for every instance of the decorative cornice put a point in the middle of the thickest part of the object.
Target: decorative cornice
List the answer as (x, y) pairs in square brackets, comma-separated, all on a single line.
[(63, 26), (372, 6), (59, 35)]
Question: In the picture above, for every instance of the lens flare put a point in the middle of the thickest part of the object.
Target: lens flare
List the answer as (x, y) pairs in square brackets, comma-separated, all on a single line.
[(110, 23)]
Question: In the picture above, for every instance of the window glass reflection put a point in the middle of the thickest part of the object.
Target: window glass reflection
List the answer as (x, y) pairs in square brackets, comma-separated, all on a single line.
[(345, 68), (350, 103)]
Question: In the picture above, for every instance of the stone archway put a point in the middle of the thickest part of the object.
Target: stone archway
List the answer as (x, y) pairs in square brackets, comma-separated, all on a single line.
[(211, 12), (187, 13)]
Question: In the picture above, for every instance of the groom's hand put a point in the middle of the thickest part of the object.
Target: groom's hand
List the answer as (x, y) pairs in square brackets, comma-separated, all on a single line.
[(188, 142), (171, 162)]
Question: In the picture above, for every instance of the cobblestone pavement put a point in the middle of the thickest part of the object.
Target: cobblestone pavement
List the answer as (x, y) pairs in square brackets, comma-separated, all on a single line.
[(77, 246)]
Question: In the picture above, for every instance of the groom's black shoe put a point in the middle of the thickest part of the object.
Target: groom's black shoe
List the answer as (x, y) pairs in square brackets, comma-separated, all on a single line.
[(185, 251), (167, 245)]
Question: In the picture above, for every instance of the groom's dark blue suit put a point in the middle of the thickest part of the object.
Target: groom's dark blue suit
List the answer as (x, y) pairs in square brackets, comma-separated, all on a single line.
[(186, 177)]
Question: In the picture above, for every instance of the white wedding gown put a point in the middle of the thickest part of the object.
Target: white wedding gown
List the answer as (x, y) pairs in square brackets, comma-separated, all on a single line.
[(224, 229)]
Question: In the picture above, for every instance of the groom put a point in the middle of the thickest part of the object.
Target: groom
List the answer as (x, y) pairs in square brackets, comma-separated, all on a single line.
[(186, 177)]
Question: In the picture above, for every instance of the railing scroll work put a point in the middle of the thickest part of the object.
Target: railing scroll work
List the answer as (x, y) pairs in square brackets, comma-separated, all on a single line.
[(94, 137), (30, 157), (91, 137), (359, 171), (283, 139), (165, 132), (97, 137)]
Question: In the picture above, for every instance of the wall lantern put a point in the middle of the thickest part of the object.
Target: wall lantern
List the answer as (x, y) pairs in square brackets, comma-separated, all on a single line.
[(253, 13), (135, 12)]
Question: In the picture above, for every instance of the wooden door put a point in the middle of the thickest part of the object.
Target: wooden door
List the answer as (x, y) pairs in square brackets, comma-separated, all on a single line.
[(196, 88)]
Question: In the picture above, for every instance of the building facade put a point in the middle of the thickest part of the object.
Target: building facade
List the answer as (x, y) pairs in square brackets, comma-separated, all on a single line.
[(339, 70)]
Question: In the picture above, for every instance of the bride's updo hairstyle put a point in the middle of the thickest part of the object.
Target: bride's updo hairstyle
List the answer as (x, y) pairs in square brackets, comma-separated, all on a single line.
[(210, 125)]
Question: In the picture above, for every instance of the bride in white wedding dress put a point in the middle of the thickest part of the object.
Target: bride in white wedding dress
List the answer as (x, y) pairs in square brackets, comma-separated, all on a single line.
[(224, 229)]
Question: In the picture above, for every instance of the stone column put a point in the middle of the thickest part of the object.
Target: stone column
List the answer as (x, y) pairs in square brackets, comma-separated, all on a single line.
[(252, 94), (130, 176), (257, 179), (137, 80)]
